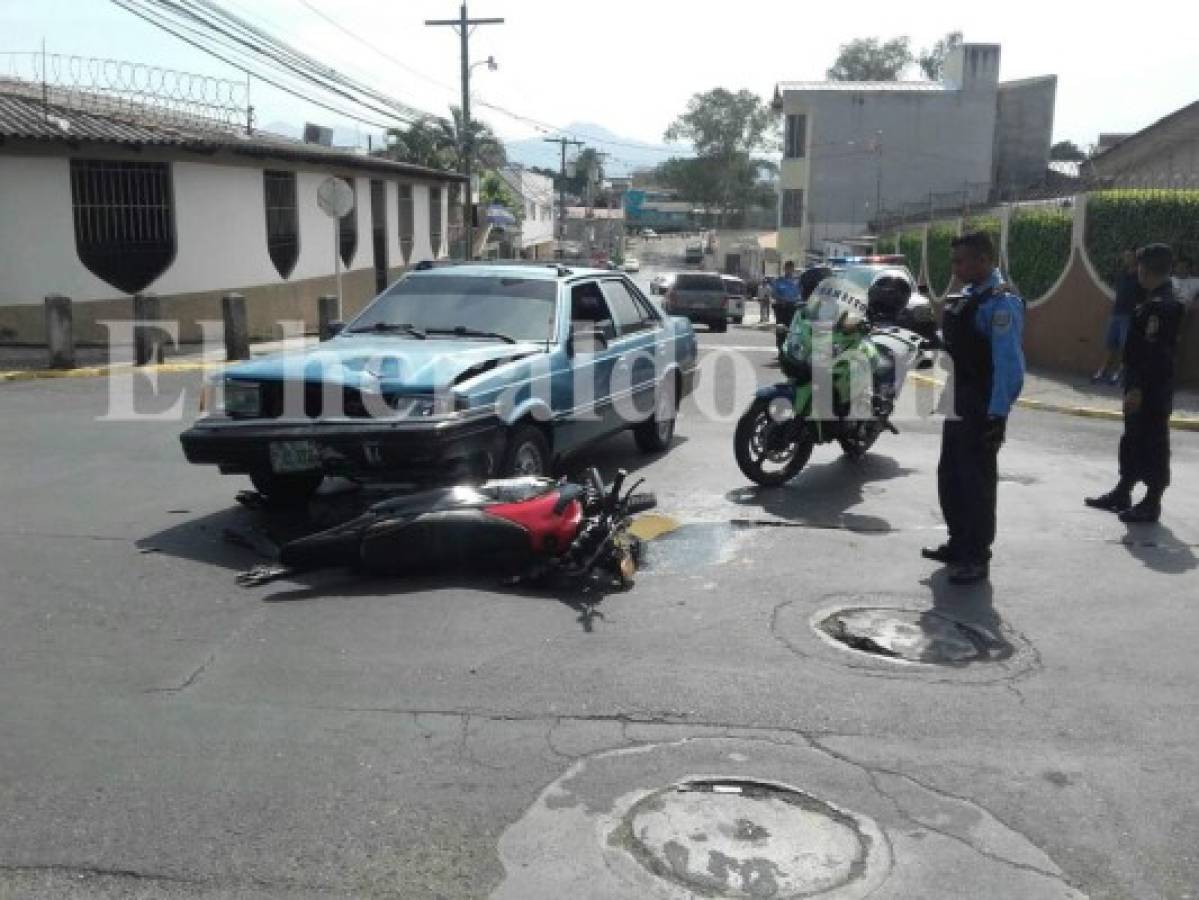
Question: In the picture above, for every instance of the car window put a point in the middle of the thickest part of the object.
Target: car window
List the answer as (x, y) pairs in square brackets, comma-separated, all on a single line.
[(630, 316), (588, 306), (520, 307), (690, 282)]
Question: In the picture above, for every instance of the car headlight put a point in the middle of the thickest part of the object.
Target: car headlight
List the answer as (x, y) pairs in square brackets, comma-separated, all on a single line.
[(422, 406), (241, 398)]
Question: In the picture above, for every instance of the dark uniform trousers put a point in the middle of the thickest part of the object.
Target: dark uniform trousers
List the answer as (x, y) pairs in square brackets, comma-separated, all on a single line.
[(1145, 444)]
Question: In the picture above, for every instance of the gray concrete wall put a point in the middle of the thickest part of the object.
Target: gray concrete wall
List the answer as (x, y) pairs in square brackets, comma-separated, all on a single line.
[(1023, 131)]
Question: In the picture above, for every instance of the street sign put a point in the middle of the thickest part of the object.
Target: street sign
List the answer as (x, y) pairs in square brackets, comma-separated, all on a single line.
[(335, 197)]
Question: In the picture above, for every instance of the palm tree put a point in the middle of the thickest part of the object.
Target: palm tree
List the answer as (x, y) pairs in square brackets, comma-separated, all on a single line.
[(487, 150), (437, 143)]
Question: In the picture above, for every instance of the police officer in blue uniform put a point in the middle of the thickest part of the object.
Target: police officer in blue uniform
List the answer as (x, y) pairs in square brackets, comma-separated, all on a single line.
[(982, 330), (1148, 391)]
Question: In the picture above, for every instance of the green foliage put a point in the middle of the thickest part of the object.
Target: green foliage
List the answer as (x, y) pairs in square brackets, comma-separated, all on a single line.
[(494, 190), (1119, 220), (932, 60), (911, 245), (1038, 247), (1067, 151), (868, 59), (437, 143), (940, 238)]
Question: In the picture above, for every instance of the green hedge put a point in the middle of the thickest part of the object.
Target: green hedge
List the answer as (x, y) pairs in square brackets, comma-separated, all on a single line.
[(1038, 247), (1117, 220), (911, 245), (940, 235)]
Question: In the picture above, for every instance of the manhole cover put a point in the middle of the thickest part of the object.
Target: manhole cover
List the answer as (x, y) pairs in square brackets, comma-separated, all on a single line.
[(916, 637), (740, 838)]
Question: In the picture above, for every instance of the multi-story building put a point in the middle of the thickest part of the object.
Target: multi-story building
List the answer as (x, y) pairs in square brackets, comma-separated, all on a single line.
[(851, 148), (535, 194)]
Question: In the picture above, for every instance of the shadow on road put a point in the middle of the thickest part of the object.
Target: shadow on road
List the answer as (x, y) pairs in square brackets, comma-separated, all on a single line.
[(1158, 548), (820, 496)]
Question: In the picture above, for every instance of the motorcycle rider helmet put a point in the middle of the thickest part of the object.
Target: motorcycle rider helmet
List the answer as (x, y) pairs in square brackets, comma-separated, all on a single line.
[(889, 294), (811, 278)]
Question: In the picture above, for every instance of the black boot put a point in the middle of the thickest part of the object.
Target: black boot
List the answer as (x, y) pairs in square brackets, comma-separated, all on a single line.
[(1146, 512), (945, 554), (1117, 500)]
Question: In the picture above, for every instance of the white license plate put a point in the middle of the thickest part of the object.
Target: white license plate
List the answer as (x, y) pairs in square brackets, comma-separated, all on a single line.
[(294, 456)]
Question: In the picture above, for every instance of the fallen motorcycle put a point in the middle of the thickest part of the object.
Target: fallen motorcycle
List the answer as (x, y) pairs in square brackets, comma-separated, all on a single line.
[(535, 529), (846, 355)]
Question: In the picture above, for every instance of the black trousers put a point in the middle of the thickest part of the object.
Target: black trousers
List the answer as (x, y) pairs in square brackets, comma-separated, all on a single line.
[(1145, 445), (967, 484)]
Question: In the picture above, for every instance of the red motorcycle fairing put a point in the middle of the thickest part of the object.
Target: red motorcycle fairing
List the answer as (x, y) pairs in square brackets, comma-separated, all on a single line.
[(551, 530)]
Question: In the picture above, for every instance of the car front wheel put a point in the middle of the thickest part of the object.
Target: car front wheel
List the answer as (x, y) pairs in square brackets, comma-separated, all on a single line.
[(294, 489), (527, 453)]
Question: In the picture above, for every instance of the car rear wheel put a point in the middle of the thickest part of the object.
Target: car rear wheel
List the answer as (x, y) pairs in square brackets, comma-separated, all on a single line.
[(719, 327), (293, 489), (655, 433), (527, 453)]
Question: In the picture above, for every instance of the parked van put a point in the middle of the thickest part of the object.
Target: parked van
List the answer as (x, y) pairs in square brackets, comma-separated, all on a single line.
[(735, 290)]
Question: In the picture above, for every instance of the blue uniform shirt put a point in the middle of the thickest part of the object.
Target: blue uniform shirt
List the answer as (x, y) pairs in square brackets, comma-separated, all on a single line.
[(1001, 319), (786, 290)]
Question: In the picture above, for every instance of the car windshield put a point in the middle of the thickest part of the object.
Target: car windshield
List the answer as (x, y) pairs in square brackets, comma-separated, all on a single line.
[(512, 306)]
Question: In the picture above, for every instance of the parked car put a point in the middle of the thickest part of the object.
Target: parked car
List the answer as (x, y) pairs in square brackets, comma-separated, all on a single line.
[(701, 297), (649, 234), (736, 291), (631, 264), (459, 371)]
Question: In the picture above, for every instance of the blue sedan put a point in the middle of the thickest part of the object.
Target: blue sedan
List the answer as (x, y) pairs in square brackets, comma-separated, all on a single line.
[(455, 372)]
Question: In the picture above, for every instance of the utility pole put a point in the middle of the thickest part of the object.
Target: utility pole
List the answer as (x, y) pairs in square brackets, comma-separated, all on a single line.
[(564, 142), (465, 25)]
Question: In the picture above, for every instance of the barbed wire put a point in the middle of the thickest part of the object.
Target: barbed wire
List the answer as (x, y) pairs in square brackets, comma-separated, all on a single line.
[(117, 87)]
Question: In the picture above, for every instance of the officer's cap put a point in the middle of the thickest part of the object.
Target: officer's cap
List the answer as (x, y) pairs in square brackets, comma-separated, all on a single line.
[(1156, 257)]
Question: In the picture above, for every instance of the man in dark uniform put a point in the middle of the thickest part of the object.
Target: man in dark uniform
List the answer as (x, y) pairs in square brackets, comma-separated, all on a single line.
[(982, 330), (1148, 391)]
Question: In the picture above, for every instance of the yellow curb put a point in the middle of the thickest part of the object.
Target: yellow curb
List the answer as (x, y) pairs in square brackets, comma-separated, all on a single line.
[(1179, 423), (104, 371)]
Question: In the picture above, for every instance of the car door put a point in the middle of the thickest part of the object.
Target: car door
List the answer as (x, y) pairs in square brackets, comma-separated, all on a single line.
[(640, 354), (586, 412)]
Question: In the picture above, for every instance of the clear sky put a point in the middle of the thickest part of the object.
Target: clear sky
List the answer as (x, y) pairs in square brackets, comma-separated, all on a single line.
[(630, 65)]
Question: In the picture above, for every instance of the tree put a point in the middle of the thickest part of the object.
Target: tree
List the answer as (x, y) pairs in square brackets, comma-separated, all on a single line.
[(726, 130), (437, 143), (932, 60), (1066, 151), (495, 190), (866, 59)]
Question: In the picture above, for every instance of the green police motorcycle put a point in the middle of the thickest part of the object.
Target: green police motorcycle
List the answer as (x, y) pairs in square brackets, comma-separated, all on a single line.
[(846, 355)]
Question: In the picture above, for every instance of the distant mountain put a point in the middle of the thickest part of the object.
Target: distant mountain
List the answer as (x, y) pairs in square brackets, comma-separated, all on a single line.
[(627, 153)]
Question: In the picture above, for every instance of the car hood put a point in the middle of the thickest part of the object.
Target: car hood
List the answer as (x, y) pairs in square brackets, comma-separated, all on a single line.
[(387, 363)]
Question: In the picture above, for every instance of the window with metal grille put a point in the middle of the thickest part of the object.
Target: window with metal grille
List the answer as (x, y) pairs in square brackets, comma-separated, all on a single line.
[(124, 221), (796, 137), (282, 220), (457, 230), (407, 224), (793, 209), (347, 228), (435, 220)]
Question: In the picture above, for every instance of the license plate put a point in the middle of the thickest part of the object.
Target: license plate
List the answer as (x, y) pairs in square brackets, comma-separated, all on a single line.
[(294, 456)]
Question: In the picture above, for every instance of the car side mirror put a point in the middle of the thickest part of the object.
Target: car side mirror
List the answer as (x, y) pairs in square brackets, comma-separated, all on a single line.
[(333, 329)]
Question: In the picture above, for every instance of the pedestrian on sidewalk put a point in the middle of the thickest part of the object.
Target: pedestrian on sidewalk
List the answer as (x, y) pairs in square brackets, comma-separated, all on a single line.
[(1128, 294), (764, 300), (982, 329), (1149, 363)]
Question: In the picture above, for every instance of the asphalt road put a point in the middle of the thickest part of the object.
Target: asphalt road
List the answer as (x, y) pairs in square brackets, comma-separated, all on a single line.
[(164, 732)]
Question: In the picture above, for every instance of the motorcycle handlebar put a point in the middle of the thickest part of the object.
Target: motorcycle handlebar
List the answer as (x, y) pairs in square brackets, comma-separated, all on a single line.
[(639, 503)]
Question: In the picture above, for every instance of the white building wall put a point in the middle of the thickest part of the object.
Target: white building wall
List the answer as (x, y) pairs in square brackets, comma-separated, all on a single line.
[(220, 228), (37, 234)]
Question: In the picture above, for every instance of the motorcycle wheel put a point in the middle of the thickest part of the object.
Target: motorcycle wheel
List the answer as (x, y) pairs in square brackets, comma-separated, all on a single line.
[(760, 461), (858, 444)]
